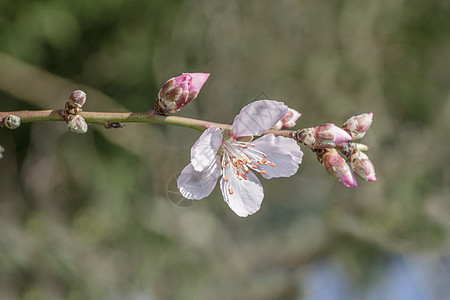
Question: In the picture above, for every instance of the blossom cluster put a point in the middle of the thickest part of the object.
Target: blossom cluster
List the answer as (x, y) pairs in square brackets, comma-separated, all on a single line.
[(235, 156), (335, 149)]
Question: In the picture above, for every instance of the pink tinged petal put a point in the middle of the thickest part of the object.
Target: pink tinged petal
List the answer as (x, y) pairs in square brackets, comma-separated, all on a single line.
[(283, 156), (198, 80), (288, 120), (243, 196), (258, 117), (204, 151), (197, 185)]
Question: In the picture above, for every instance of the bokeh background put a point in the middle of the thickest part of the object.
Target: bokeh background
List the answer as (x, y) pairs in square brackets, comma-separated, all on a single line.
[(96, 216)]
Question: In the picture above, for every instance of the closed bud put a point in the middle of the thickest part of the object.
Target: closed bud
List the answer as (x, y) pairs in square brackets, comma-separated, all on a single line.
[(336, 166), (362, 166), (179, 91), (77, 124), (288, 120), (357, 126), (12, 121), (323, 136), (77, 98)]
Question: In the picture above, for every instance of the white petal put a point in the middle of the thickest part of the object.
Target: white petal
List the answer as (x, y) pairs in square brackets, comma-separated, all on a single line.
[(205, 148), (244, 197), (197, 185), (258, 117), (283, 152)]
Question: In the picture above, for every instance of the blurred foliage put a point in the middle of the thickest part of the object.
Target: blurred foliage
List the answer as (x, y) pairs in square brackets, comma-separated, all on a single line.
[(89, 217)]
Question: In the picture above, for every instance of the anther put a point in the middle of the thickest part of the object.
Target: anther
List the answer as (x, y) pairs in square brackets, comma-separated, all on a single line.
[(225, 179), (263, 172), (245, 177), (230, 190), (272, 164)]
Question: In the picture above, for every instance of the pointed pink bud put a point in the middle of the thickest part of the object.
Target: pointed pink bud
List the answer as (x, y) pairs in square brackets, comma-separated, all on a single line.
[(77, 98), (179, 91), (288, 120), (323, 136), (337, 167), (357, 126)]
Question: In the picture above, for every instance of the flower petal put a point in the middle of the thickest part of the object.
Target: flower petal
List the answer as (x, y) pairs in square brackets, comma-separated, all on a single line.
[(204, 151), (284, 153), (243, 196), (258, 117), (197, 185), (197, 80)]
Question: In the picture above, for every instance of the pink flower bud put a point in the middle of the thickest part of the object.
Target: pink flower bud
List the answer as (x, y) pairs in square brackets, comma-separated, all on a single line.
[(357, 126), (337, 167), (289, 119), (323, 136), (77, 124), (358, 160), (362, 166), (77, 98), (179, 91)]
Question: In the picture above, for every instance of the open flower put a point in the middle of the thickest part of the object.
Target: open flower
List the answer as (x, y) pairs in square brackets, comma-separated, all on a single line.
[(232, 155)]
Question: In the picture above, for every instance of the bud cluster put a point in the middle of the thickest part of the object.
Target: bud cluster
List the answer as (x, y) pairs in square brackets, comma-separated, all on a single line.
[(335, 151), (72, 110)]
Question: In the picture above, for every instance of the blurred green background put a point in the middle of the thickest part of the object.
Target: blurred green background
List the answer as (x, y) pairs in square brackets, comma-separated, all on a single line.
[(94, 216)]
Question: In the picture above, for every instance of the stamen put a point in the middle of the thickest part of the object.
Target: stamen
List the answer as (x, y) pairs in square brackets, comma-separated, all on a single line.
[(225, 179), (253, 145), (263, 172), (230, 190), (239, 177), (265, 156), (245, 177), (272, 164), (255, 167)]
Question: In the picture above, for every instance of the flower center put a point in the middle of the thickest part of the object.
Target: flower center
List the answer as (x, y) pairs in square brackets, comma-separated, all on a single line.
[(239, 157)]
